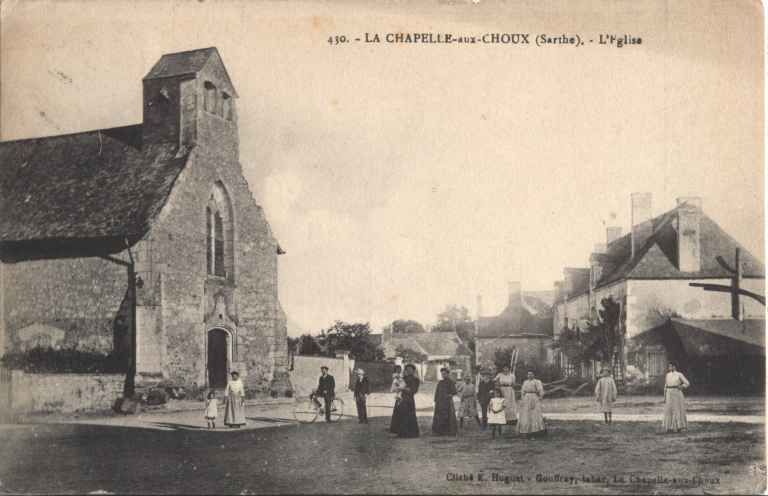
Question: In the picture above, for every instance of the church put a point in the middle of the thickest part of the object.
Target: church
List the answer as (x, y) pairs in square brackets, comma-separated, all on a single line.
[(145, 242)]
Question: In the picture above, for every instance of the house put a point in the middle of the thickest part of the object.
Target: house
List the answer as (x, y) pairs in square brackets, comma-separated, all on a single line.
[(649, 272), (524, 324), (145, 241), (442, 349)]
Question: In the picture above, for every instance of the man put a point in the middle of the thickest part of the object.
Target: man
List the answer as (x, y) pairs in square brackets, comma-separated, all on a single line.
[(484, 389), (326, 389), (362, 389)]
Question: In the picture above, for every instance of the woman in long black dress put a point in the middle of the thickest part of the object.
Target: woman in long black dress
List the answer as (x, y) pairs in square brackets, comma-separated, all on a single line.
[(408, 425), (444, 420)]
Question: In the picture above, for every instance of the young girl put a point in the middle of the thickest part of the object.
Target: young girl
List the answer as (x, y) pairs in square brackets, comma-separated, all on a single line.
[(468, 406), (211, 409), (605, 394), (496, 416)]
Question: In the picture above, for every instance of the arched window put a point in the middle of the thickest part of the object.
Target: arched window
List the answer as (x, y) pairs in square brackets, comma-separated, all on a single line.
[(210, 97), (209, 239), (220, 234), (226, 106)]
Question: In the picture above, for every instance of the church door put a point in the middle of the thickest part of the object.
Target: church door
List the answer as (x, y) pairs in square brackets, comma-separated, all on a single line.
[(217, 358)]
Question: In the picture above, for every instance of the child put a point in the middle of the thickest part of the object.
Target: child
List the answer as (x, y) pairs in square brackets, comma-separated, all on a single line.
[(605, 394), (211, 409), (496, 416), (468, 406)]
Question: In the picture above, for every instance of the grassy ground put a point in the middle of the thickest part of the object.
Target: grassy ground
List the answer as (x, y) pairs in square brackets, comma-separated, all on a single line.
[(347, 457)]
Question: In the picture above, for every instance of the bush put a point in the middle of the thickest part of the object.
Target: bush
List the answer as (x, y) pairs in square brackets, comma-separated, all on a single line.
[(47, 360)]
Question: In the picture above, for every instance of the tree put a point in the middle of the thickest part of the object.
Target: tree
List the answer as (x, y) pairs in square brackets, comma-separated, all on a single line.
[(503, 357), (355, 338), (402, 326), (410, 355), (305, 344), (605, 332), (456, 319)]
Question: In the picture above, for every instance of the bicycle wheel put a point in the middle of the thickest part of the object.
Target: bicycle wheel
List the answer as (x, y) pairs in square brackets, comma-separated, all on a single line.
[(305, 411), (337, 409)]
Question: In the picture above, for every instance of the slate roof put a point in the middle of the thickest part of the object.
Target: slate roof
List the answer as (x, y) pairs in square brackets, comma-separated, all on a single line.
[(657, 257), (518, 320), (432, 343), (185, 63), (94, 184)]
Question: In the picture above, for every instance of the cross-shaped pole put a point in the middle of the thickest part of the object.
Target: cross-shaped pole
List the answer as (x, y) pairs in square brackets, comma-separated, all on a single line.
[(734, 289)]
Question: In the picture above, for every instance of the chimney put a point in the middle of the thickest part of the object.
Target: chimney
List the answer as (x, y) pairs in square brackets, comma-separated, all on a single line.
[(612, 233), (642, 228), (479, 306), (688, 234), (515, 293)]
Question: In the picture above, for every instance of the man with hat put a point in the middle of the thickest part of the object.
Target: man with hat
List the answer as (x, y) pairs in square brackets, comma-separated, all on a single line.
[(326, 389), (362, 389), (484, 388)]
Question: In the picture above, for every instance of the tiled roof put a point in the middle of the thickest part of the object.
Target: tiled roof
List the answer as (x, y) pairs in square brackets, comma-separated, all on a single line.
[(517, 319), (432, 343), (657, 257), (96, 184)]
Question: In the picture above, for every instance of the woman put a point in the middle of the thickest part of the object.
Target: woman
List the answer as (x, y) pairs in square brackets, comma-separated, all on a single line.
[(531, 420), (397, 383), (444, 420), (468, 405), (234, 411), (674, 400), (505, 380), (407, 424)]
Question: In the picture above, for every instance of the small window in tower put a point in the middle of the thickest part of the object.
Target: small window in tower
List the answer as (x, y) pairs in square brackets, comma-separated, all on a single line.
[(218, 264), (209, 239), (226, 106), (210, 97)]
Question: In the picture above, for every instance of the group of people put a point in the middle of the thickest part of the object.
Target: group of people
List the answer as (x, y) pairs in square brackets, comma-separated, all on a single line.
[(497, 400), (496, 397)]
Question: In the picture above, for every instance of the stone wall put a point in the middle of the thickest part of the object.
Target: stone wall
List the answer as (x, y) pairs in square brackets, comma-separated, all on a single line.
[(38, 393), (64, 303)]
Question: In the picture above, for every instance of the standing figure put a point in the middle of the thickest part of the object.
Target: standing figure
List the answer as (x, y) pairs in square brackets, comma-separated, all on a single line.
[(505, 381), (444, 420), (605, 394), (397, 384), (211, 409), (496, 417), (674, 400), (407, 424), (531, 419), (468, 405), (234, 411), (362, 389), (326, 389), (484, 390)]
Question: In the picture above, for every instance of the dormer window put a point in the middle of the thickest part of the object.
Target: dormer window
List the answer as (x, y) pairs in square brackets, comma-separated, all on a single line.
[(210, 97)]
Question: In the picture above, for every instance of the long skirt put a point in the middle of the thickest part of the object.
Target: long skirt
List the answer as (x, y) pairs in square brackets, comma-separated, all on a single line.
[(674, 411), (444, 420), (531, 419), (234, 412), (510, 405), (394, 422), (407, 424)]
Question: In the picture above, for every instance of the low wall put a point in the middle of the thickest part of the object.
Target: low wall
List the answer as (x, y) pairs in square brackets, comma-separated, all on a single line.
[(66, 393), (306, 371)]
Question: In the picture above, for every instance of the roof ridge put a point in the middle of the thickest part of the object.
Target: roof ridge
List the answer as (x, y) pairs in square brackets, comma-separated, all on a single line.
[(65, 135)]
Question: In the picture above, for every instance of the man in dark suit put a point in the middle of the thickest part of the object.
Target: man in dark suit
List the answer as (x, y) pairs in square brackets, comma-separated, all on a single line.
[(362, 389), (326, 387)]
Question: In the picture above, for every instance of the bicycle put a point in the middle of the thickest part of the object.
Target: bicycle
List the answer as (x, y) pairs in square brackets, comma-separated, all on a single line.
[(306, 411)]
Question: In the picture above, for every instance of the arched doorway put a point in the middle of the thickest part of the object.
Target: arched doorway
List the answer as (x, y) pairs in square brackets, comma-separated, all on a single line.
[(218, 358)]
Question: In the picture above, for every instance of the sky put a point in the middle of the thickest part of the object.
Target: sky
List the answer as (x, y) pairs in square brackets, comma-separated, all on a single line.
[(402, 178)]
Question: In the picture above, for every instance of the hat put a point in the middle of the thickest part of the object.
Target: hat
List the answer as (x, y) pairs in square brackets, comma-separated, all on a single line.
[(323, 367)]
